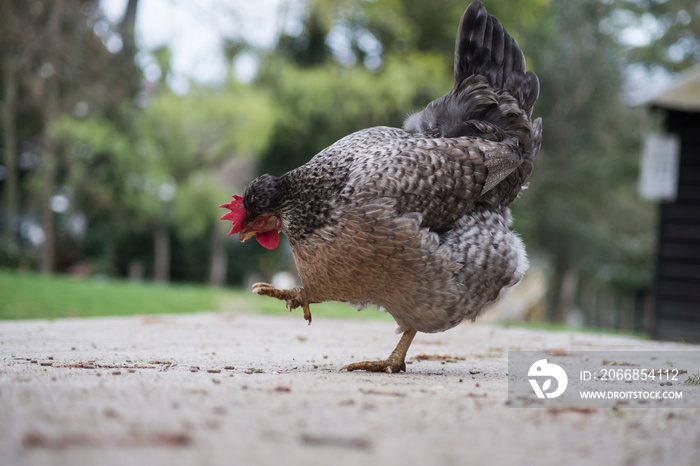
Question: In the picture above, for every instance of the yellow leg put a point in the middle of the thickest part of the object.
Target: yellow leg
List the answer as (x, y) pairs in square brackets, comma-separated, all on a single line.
[(294, 297), (394, 363)]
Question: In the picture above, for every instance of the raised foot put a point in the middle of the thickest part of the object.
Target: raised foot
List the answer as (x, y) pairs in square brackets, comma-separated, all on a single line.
[(294, 297), (385, 365)]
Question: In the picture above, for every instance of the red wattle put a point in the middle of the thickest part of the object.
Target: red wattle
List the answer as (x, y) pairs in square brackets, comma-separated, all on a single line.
[(269, 239)]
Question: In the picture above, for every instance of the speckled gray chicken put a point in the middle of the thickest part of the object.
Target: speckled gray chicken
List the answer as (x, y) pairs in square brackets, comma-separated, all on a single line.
[(413, 220)]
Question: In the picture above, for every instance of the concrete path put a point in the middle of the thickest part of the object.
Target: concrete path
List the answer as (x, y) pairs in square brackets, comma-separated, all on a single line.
[(224, 389)]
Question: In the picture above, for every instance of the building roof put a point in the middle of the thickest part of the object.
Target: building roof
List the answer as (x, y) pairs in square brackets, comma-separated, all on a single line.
[(683, 93)]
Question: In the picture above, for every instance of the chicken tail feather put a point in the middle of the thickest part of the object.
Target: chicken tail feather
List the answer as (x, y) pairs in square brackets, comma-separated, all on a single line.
[(483, 47), (491, 85)]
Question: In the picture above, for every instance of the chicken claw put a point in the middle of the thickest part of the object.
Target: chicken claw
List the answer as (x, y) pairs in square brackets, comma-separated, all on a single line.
[(386, 365), (294, 297), (394, 363)]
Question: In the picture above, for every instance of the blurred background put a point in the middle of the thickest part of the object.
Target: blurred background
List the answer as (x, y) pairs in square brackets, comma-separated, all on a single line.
[(126, 122)]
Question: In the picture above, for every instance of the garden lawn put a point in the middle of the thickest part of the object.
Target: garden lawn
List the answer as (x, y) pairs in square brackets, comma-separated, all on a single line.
[(33, 296)]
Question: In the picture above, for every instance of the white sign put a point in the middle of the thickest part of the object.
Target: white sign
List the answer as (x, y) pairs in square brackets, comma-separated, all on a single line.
[(658, 180)]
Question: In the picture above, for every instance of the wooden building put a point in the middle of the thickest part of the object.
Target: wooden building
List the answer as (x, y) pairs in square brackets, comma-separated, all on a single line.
[(671, 174)]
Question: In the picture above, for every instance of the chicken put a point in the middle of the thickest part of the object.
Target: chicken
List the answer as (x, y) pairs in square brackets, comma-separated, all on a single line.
[(413, 220)]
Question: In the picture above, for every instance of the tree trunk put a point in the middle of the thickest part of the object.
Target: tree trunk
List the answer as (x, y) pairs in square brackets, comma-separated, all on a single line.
[(50, 158), (627, 311), (607, 308), (649, 311), (587, 302), (128, 24), (135, 270), (565, 293), (162, 255), (219, 259), (127, 27), (48, 172), (9, 136)]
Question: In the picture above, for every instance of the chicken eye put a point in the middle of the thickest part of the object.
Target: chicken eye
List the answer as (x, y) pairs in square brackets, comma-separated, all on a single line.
[(258, 223)]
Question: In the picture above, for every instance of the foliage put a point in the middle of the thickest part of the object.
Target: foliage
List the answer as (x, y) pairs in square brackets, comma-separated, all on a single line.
[(163, 171), (359, 32), (659, 33), (56, 57), (581, 209), (318, 105)]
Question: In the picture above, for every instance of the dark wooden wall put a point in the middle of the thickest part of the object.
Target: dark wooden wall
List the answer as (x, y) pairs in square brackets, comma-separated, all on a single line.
[(677, 283)]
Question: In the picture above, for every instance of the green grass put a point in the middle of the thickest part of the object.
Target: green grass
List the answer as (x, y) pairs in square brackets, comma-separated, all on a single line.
[(552, 327), (32, 296), (693, 380)]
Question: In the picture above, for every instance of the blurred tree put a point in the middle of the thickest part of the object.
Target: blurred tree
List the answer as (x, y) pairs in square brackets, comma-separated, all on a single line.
[(187, 139), (362, 32), (127, 32), (22, 42), (308, 48), (8, 111), (582, 212), (317, 106), (55, 57), (658, 33), (165, 173)]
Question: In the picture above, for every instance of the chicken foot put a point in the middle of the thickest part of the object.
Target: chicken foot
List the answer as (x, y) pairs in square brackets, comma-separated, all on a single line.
[(394, 363), (294, 297)]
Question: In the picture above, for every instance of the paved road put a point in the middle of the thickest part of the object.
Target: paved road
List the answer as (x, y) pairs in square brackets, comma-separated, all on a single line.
[(225, 389)]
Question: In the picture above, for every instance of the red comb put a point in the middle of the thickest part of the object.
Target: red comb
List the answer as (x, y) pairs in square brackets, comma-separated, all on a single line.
[(236, 215)]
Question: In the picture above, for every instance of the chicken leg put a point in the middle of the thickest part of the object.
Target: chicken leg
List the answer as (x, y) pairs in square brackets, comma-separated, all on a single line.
[(394, 363), (294, 297)]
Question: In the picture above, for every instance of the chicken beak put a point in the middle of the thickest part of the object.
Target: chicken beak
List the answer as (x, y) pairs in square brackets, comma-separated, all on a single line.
[(245, 234)]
